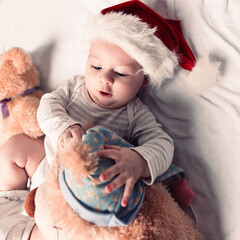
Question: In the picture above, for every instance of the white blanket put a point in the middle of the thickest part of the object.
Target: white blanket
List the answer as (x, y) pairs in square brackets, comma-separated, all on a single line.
[(203, 117)]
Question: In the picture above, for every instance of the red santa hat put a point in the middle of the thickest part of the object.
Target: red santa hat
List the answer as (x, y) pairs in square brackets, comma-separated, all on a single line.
[(157, 44)]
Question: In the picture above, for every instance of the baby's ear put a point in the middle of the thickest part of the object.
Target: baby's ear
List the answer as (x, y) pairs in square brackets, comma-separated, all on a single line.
[(145, 80)]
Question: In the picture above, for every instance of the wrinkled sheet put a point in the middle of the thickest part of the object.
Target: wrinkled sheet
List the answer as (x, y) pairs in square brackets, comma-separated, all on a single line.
[(203, 117), (206, 125), (14, 224)]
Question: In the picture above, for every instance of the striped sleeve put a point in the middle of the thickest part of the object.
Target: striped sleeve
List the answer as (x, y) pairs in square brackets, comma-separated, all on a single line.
[(151, 142), (52, 115)]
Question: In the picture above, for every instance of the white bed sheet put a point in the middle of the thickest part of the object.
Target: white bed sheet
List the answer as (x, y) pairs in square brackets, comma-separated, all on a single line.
[(206, 126), (202, 118)]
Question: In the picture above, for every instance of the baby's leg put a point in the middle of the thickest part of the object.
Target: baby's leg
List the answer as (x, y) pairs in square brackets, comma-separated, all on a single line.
[(19, 158)]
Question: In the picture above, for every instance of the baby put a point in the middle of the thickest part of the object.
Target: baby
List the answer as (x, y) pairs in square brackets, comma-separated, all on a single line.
[(106, 96)]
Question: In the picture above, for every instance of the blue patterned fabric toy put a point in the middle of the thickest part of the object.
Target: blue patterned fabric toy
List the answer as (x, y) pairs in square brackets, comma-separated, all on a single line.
[(88, 197)]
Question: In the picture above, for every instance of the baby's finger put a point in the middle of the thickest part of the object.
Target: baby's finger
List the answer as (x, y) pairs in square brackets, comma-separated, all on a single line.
[(116, 183), (59, 145), (77, 134), (110, 172), (109, 153), (112, 147), (67, 134), (127, 193)]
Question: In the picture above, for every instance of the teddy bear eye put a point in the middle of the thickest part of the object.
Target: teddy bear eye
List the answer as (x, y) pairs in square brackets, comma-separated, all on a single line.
[(57, 227)]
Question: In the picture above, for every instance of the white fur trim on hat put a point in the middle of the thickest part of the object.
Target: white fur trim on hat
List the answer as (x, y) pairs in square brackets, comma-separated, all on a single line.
[(137, 39)]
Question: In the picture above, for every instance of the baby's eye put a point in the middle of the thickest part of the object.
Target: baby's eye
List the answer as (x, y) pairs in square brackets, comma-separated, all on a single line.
[(96, 67), (121, 74)]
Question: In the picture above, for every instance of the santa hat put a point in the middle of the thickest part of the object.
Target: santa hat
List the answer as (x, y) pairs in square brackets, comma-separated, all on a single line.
[(157, 44)]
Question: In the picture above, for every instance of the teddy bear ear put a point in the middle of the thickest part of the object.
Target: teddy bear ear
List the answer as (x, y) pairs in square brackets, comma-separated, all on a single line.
[(29, 204), (19, 58), (77, 158)]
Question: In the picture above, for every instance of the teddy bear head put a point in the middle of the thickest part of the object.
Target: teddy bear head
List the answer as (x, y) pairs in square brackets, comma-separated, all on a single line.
[(17, 73)]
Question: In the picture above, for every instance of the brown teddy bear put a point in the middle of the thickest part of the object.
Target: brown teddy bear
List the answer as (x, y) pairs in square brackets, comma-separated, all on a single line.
[(19, 95), (72, 205)]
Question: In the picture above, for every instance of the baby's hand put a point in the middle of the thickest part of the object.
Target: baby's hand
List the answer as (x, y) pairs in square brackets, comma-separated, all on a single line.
[(129, 165), (74, 131)]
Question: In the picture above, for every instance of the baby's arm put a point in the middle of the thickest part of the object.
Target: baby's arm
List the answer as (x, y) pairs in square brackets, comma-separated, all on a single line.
[(151, 142), (151, 158), (52, 113)]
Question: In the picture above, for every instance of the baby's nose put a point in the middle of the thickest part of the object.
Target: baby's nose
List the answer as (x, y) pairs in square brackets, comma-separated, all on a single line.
[(107, 78)]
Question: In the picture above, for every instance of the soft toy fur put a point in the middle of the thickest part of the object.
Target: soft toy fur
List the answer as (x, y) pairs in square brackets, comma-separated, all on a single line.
[(18, 74), (160, 216)]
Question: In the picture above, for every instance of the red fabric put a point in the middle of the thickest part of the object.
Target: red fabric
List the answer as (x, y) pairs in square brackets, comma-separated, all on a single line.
[(168, 30), (182, 193)]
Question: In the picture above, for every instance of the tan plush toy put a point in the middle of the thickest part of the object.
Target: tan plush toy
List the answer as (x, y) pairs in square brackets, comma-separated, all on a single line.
[(72, 204), (19, 95)]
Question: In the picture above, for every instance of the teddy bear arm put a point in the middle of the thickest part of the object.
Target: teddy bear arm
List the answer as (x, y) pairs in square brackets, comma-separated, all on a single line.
[(28, 118), (161, 216)]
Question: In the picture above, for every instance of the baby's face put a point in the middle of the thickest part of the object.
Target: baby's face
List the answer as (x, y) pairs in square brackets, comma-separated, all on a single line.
[(112, 77)]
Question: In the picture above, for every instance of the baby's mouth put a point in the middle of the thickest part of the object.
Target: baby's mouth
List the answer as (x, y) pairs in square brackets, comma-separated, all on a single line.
[(105, 94)]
